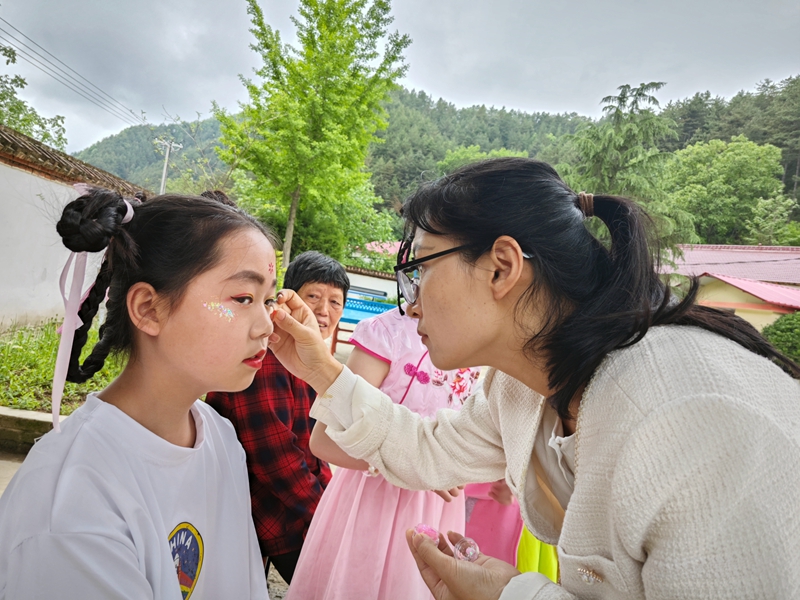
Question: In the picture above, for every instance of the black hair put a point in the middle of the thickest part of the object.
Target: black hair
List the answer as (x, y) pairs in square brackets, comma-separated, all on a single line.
[(219, 196), (170, 240), (315, 267), (599, 299)]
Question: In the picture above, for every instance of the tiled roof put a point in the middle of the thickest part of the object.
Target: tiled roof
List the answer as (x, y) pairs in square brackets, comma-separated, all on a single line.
[(369, 273), (776, 264), (781, 295), (23, 152)]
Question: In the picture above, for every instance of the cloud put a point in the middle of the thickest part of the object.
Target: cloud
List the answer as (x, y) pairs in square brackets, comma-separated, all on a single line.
[(531, 55)]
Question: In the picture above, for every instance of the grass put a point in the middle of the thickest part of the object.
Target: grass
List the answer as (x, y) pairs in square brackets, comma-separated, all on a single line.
[(27, 362)]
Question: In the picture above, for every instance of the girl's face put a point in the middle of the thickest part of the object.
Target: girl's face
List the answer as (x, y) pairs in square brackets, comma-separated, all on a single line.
[(216, 337), (453, 305)]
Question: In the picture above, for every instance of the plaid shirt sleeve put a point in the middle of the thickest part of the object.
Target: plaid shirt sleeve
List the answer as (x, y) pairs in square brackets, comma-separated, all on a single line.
[(286, 480)]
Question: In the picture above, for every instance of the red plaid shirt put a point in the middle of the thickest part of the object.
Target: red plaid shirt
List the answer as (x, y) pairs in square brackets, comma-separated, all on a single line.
[(286, 480)]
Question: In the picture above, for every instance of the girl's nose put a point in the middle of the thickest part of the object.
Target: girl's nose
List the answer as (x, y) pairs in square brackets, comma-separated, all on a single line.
[(264, 327)]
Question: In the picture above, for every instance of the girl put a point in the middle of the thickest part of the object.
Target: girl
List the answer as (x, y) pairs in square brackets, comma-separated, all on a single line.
[(389, 354), (655, 441), (144, 493)]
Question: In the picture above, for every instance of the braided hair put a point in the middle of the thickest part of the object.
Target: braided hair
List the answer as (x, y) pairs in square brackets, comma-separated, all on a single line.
[(170, 240)]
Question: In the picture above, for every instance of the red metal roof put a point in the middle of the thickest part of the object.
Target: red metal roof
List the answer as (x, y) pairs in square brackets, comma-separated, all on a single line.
[(776, 264), (781, 295)]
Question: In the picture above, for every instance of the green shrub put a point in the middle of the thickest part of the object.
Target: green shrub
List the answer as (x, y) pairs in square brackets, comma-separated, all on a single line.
[(27, 362), (784, 334)]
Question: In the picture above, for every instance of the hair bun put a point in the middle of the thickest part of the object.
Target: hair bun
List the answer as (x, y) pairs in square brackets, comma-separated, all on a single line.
[(88, 223)]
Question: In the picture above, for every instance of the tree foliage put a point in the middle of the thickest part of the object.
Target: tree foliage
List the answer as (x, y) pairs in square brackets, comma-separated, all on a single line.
[(620, 155), (304, 134), (464, 155), (769, 115), (20, 116), (732, 190), (784, 334)]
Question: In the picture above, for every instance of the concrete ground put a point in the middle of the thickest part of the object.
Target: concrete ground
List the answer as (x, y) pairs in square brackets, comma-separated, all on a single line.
[(9, 463)]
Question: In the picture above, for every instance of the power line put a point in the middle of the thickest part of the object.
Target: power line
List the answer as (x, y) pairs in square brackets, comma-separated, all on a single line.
[(61, 76), (43, 68), (117, 109), (125, 108)]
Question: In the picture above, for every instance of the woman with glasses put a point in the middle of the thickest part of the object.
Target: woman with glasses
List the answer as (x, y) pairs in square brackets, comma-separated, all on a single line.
[(654, 440)]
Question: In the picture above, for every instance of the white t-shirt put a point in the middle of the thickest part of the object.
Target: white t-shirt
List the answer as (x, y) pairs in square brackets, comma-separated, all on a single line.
[(107, 509)]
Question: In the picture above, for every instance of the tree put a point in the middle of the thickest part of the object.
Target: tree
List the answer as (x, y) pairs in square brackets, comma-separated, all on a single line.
[(769, 225), (784, 334), (464, 155), (20, 116), (620, 155), (721, 185), (305, 132)]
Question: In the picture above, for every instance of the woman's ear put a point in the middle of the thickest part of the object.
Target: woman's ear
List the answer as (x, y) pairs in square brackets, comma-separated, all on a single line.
[(508, 265), (144, 308)]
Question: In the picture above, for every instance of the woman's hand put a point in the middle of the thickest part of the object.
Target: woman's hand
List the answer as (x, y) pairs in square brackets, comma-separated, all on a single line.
[(297, 343), (500, 492), (448, 495), (452, 579)]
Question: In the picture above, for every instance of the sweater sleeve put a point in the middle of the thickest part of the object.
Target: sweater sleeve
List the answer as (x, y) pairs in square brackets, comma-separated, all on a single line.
[(700, 501), (411, 451)]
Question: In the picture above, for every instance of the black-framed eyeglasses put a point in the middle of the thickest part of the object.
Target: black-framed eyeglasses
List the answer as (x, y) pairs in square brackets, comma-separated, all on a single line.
[(407, 273)]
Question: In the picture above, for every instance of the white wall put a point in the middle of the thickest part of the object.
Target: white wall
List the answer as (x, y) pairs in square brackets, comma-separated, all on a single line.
[(31, 253), (374, 283)]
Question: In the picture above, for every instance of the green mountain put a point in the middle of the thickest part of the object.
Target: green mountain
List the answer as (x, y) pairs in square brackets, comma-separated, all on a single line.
[(419, 134), (421, 130)]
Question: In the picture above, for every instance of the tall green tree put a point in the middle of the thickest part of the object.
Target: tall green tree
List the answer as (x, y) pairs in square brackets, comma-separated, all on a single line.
[(620, 155), (20, 116), (732, 189), (303, 135)]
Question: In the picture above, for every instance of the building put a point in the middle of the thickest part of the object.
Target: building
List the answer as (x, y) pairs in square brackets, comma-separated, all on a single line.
[(758, 283), (35, 184)]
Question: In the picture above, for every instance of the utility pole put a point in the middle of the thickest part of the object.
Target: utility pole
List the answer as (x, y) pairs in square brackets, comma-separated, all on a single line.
[(168, 146)]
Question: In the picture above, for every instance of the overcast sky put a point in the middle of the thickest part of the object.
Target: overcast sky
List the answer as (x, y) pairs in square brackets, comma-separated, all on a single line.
[(556, 56)]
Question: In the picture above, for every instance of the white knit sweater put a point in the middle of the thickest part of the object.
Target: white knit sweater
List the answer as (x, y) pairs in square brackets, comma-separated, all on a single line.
[(687, 480)]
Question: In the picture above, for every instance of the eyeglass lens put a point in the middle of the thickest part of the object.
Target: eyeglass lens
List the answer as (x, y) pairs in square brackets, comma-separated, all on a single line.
[(409, 285)]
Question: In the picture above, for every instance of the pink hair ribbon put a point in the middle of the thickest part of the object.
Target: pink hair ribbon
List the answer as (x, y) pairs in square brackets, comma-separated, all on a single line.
[(72, 305), (71, 323)]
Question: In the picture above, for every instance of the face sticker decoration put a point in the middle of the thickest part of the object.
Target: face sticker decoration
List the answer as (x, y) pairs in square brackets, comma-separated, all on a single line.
[(271, 268), (223, 312)]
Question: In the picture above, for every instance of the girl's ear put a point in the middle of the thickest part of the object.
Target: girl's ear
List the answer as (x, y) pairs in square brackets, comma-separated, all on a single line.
[(144, 308), (508, 265)]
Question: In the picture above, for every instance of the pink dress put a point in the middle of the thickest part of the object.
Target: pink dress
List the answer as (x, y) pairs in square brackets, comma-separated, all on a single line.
[(356, 545)]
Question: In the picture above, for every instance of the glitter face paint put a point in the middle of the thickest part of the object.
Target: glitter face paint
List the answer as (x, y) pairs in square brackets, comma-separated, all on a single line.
[(223, 312)]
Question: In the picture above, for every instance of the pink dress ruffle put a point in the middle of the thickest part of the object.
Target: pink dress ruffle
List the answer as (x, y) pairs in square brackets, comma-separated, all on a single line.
[(356, 545)]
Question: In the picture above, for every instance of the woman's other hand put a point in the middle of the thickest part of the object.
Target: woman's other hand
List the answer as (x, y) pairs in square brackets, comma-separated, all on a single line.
[(448, 495), (452, 579), (500, 492), (297, 343)]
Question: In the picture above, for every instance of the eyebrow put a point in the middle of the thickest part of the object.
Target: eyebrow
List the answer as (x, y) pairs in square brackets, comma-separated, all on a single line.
[(248, 276), (417, 247)]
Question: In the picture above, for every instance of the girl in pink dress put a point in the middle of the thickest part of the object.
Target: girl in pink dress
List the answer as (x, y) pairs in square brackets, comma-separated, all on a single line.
[(356, 545)]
